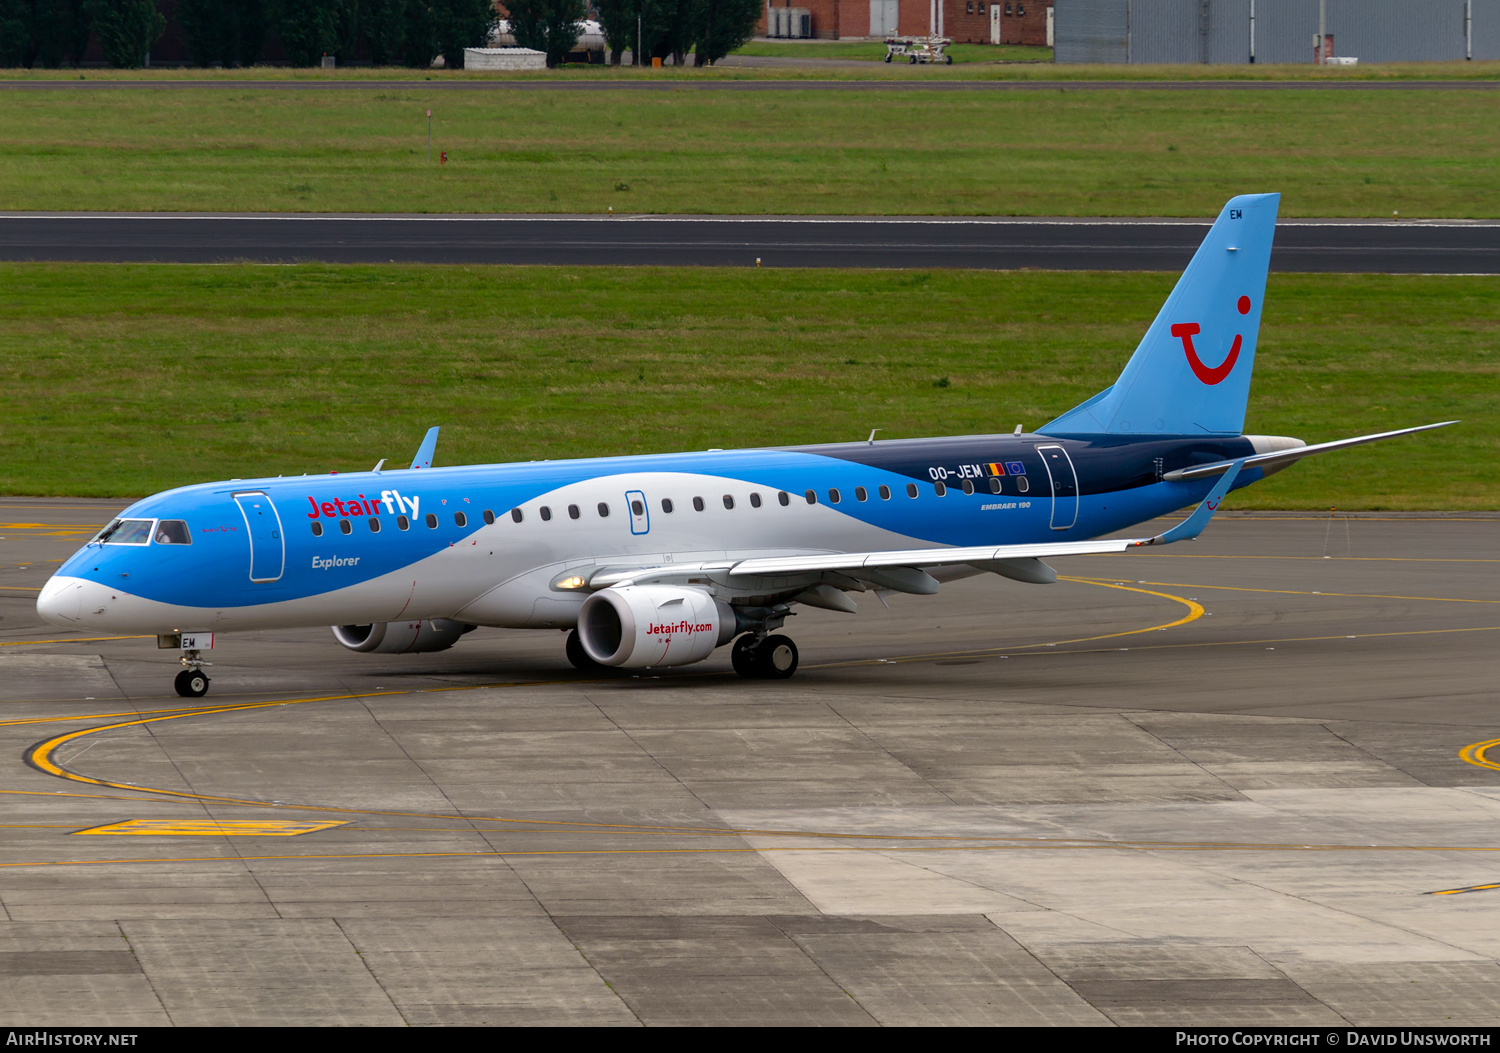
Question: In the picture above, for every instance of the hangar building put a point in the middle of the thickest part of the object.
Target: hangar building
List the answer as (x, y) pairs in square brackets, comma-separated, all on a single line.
[(1244, 31)]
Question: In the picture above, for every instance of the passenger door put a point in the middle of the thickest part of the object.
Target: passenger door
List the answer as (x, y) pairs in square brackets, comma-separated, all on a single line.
[(1064, 486), (263, 528), (640, 514)]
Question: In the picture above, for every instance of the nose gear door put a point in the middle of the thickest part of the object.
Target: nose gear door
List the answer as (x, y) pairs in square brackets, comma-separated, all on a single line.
[(263, 527), (1064, 486)]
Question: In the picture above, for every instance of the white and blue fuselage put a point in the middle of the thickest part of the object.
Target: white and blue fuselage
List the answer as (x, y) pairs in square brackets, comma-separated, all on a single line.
[(484, 544)]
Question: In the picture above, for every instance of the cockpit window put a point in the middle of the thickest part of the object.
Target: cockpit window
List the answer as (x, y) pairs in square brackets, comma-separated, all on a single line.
[(126, 532), (173, 532)]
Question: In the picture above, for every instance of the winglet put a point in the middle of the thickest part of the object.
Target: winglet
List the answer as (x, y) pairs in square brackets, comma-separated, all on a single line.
[(1193, 525), (423, 459)]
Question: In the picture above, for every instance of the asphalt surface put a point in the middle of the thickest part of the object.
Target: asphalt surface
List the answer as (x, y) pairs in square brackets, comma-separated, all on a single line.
[(1342, 246), (1217, 786)]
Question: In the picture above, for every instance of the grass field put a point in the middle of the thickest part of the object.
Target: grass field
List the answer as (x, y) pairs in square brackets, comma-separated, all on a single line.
[(1016, 67), (119, 380), (1127, 153)]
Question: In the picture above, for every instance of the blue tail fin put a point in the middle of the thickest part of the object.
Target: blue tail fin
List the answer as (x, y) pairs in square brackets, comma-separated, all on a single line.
[(1191, 373)]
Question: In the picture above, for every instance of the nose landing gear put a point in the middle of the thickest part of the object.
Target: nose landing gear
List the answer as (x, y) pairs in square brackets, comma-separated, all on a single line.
[(192, 682), (768, 658)]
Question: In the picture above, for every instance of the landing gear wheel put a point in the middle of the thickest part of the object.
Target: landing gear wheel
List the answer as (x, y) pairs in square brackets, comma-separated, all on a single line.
[(191, 683), (948, 59), (742, 657), (578, 656), (913, 60), (777, 657)]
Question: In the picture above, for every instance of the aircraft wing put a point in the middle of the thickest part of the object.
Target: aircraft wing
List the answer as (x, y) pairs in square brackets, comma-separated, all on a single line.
[(1190, 527), (1277, 458)]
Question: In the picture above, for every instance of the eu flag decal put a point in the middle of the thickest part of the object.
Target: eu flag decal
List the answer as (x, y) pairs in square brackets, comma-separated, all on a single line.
[(1015, 467)]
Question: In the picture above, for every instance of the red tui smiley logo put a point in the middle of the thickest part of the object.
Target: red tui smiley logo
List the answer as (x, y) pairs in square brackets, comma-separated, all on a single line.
[(1185, 331)]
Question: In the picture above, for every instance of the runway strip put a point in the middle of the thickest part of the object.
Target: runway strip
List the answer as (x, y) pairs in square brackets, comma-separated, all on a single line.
[(1329, 246)]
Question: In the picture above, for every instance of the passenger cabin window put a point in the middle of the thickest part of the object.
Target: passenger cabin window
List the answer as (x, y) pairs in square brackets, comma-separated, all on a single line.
[(374, 522), (431, 521), (911, 490), (402, 523), (697, 504), (939, 489), (1021, 484), (833, 496), (516, 515), (637, 507), (812, 497), (861, 494), (968, 485), (489, 518), (994, 484), (666, 505), (573, 512), (784, 498), (460, 520), (317, 528), (173, 532), (755, 500), (546, 514), (885, 492), (126, 532), (603, 510), (345, 528), (728, 501)]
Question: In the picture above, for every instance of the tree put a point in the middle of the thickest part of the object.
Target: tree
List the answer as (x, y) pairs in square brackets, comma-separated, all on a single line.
[(665, 29), (127, 29), (60, 32), (618, 20), (15, 33), (722, 26), (420, 46), (384, 25), (459, 24), (311, 29), (229, 32), (546, 25)]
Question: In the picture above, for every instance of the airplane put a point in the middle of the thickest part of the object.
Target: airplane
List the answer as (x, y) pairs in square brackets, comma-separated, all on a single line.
[(655, 561)]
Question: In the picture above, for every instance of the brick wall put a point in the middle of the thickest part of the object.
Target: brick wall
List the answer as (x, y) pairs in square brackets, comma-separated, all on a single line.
[(966, 21)]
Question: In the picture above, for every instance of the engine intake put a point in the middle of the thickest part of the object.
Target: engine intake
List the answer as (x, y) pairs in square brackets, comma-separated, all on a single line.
[(643, 626), (436, 634)]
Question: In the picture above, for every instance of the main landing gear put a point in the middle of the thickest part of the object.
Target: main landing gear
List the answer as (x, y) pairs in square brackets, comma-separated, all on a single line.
[(192, 682), (767, 658)]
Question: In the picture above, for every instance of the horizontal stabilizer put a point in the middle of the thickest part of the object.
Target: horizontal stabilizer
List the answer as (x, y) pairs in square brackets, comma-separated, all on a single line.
[(1281, 458), (1193, 525)]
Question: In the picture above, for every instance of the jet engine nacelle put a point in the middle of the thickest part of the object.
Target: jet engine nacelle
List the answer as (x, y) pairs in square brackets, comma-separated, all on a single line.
[(436, 634), (641, 626)]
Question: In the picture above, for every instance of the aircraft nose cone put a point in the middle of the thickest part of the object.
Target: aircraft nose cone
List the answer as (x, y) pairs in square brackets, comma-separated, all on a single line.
[(61, 601)]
